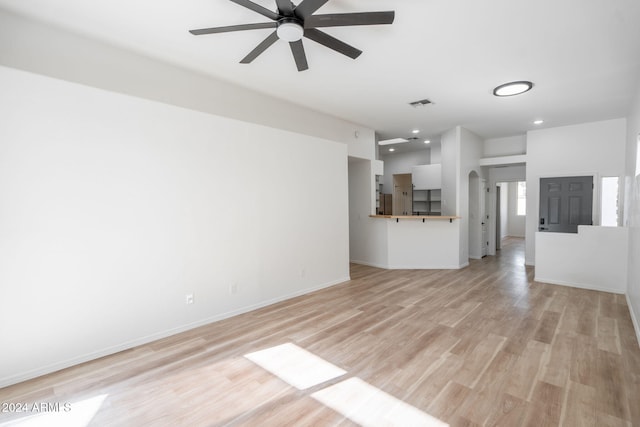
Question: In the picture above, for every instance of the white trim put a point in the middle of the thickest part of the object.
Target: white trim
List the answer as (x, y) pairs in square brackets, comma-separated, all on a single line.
[(634, 319), (515, 160), (577, 285), (23, 376), (430, 267), (370, 264), (412, 267)]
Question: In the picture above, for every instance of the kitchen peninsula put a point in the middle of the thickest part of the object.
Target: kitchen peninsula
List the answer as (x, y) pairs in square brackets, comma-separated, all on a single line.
[(417, 241)]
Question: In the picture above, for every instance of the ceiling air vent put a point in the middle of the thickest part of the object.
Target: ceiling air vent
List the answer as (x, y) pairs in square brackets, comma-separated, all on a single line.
[(420, 103)]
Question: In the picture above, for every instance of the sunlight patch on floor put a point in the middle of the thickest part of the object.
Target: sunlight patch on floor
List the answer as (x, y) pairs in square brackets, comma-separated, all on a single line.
[(371, 407), (296, 366), (73, 414)]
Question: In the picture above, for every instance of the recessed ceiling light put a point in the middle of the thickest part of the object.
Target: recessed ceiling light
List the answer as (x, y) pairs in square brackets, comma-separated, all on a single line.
[(513, 88), (415, 131), (538, 122), (392, 149), (392, 141), (426, 141)]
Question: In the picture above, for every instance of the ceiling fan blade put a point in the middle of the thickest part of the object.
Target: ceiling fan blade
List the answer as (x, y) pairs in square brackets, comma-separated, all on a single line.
[(298, 54), (285, 7), (348, 19), (233, 28), (307, 7), (257, 8), (273, 37), (332, 43)]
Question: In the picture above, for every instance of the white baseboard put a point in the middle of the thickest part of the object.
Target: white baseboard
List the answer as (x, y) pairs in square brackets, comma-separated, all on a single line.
[(412, 267), (24, 376), (634, 319), (430, 267), (370, 264), (578, 285)]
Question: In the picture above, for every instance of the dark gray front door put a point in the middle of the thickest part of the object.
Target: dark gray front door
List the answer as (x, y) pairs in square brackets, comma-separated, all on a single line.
[(565, 203)]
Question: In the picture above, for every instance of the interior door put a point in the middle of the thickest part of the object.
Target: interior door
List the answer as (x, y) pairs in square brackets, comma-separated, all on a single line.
[(565, 203), (483, 214), (498, 219), (402, 194)]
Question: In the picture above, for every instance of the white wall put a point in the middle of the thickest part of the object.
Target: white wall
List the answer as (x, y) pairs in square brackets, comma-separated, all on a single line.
[(48, 50), (470, 154), (450, 160), (508, 146), (632, 209), (461, 153), (397, 163), (436, 153), (115, 207), (593, 258), (516, 225), (596, 148)]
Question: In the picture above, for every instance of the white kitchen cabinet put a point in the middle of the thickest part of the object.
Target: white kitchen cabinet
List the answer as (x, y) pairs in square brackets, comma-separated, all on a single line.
[(426, 177)]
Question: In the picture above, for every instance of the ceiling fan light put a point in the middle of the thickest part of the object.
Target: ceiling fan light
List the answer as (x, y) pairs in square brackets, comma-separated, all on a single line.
[(290, 31), (513, 88)]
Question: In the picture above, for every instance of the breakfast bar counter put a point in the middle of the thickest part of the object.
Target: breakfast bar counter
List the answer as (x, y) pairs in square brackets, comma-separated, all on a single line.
[(417, 242)]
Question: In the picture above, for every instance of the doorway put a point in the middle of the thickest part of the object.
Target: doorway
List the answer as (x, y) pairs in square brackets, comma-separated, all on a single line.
[(402, 194), (510, 212)]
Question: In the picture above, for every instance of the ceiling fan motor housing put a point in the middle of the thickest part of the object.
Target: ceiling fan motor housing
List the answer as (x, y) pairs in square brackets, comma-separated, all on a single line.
[(290, 29)]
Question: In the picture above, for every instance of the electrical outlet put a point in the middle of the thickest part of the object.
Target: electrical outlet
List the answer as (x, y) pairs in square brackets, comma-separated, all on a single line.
[(188, 298), (233, 288)]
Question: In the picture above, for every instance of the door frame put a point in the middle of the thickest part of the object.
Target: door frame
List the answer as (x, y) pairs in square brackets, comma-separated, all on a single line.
[(491, 232)]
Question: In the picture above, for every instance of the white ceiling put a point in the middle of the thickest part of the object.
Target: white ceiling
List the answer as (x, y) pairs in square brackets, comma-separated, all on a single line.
[(582, 55)]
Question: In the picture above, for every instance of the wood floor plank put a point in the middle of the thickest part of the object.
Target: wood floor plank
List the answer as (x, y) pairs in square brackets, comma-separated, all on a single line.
[(525, 371), (445, 405), (481, 346), (546, 407), (580, 405), (557, 364), (613, 398), (547, 328)]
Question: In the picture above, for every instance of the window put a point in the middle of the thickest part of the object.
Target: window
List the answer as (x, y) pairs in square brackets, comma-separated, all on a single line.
[(522, 198), (609, 202)]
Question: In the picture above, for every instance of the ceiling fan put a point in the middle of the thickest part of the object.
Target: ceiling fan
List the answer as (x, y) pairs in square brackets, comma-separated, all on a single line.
[(293, 22)]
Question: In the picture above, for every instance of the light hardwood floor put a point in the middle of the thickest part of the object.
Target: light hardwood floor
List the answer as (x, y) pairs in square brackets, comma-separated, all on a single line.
[(484, 345)]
